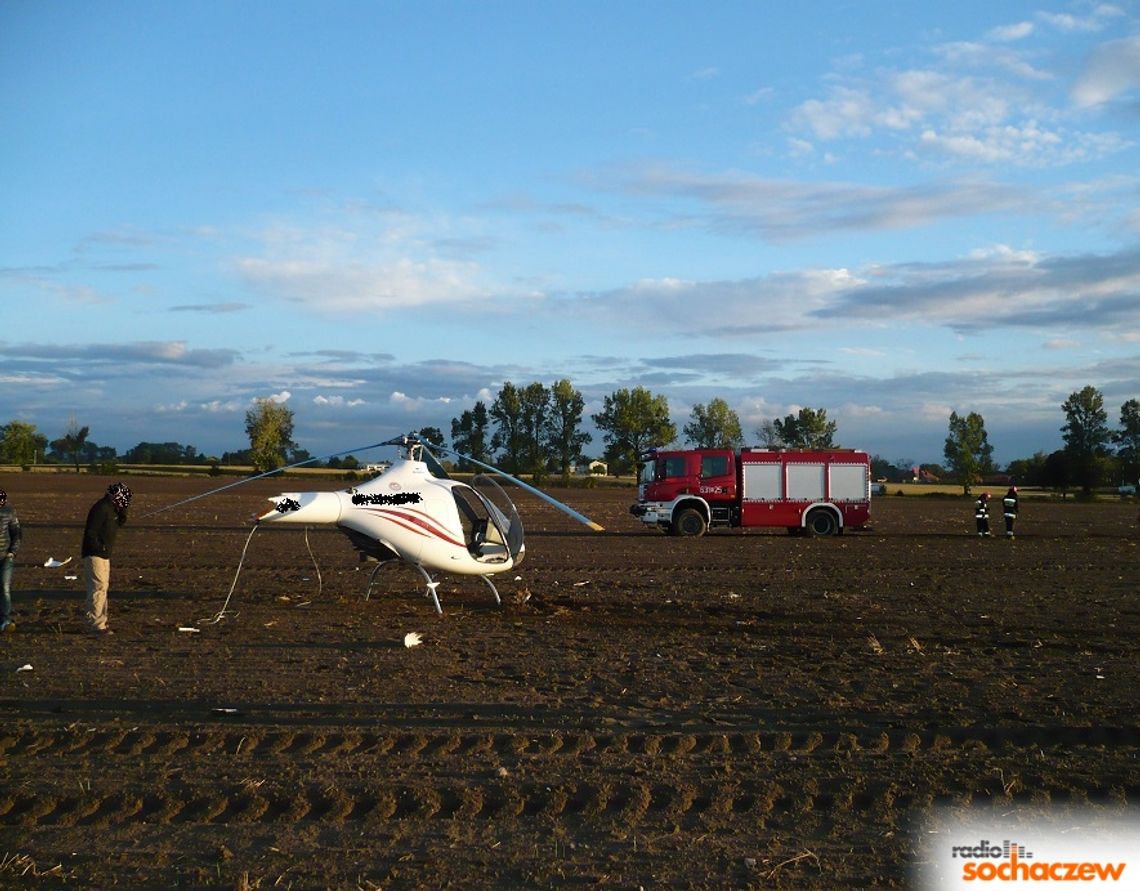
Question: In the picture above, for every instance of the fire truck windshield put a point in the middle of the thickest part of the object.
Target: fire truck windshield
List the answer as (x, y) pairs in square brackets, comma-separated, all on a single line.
[(663, 469)]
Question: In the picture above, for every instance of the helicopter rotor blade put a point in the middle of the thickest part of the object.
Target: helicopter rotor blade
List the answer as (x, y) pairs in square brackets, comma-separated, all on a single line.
[(537, 493)]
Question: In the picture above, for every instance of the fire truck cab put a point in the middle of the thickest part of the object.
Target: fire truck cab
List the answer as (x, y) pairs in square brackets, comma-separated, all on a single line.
[(815, 491)]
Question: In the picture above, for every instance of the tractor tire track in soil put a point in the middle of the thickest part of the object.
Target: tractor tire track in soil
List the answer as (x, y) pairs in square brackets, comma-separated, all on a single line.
[(744, 710), (349, 801)]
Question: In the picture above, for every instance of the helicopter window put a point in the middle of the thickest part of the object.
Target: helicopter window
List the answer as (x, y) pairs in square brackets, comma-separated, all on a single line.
[(468, 515), (480, 534)]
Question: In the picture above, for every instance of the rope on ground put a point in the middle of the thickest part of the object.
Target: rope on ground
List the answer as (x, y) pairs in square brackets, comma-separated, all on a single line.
[(222, 613), (320, 583)]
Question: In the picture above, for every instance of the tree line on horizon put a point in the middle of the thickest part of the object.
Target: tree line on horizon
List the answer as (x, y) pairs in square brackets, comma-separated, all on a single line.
[(537, 430)]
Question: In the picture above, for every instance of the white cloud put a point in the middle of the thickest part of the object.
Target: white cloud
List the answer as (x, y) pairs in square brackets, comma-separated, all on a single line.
[(1003, 288), (934, 411), (1113, 69), (1007, 143), (1006, 33), (856, 410), (800, 148), (976, 102), (31, 379), (212, 407), (1029, 145), (415, 404), (363, 286), (985, 57), (757, 96), (846, 112), (338, 401), (218, 406), (1097, 20), (862, 352), (1004, 253), (362, 262), (782, 210)]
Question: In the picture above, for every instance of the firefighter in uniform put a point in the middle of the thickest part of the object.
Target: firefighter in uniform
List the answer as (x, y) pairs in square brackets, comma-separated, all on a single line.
[(982, 514), (1009, 509)]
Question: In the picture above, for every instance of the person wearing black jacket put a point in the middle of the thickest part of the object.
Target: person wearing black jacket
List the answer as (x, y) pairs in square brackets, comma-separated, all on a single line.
[(1009, 510), (10, 538), (103, 522), (982, 514)]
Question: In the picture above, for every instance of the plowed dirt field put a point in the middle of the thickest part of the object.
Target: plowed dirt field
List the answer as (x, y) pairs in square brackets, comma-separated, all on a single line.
[(741, 710)]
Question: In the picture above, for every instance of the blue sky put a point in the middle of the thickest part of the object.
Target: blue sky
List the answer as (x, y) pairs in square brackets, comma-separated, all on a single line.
[(378, 213)]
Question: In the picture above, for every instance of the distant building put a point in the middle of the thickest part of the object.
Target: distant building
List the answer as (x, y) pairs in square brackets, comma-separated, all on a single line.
[(592, 468)]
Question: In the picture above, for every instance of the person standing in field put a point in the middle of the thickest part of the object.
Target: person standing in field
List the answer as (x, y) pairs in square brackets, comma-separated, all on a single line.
[(10, 538), (982, 514), (103, 522), (1009, 510)]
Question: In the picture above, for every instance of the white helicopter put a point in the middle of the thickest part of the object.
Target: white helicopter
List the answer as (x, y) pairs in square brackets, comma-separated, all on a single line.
[(415, 513)]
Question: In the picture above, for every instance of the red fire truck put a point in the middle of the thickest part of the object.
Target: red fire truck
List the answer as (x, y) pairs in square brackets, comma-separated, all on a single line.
[(815, 491)]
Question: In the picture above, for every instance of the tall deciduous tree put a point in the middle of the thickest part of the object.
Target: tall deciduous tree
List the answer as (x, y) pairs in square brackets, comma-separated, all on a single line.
[(768, 436), (1028, 471), (269, 426), (431, 435), (21, 443), (633, 421), (1058, 471), (535, 422), (469, 433), (808, 429), (715, 426), (1127, 440), (968, 452), (564, 436), (1086, 435), (507, 440), (73, 443), (162, 453)]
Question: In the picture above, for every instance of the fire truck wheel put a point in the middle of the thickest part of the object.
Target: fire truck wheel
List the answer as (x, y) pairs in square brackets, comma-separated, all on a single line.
[(689, 522), (822, 522)]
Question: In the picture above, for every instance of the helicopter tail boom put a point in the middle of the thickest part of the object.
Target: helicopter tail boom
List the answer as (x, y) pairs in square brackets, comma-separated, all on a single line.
[(304, 507)]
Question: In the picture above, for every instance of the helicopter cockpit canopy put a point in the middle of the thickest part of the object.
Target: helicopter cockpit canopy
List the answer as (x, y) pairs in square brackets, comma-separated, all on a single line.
[(491, 535)]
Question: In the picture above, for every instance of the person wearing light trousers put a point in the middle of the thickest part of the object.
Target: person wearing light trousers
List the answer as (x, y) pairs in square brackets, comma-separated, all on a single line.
[(103, 522)]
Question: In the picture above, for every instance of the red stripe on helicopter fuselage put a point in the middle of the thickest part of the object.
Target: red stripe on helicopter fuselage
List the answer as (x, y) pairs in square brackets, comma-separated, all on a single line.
[(413, 521)]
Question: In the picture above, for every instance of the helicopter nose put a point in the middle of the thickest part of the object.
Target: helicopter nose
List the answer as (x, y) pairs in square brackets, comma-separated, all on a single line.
[(303, 507)]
